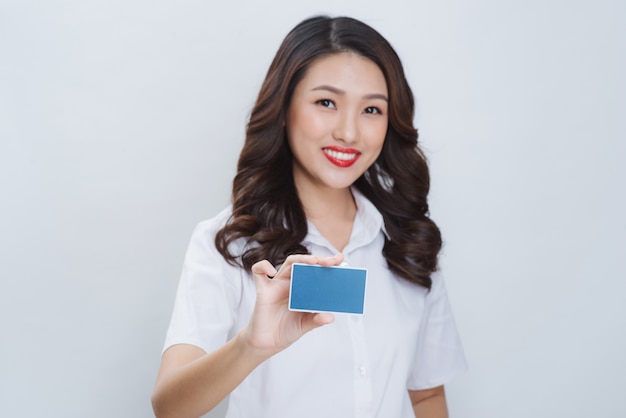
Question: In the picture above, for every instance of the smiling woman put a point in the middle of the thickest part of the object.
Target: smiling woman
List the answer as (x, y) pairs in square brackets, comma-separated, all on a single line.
[(336, 126), (330, 173)]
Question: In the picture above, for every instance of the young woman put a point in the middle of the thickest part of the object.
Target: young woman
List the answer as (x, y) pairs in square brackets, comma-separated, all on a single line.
[(330, 173)]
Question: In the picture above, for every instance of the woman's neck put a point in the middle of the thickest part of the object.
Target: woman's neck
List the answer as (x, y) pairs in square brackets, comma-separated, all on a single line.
[(332, 211)]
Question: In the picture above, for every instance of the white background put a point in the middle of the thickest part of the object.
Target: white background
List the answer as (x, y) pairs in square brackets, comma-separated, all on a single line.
[(120, 126)]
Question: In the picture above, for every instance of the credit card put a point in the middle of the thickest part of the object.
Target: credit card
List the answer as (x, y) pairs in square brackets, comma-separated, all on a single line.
[(316, 288)]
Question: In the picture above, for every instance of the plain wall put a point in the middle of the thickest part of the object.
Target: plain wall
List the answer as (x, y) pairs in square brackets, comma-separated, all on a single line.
[(120, 126)]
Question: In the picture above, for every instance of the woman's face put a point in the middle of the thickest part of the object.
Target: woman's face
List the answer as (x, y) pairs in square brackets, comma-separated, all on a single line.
[(337, 121)]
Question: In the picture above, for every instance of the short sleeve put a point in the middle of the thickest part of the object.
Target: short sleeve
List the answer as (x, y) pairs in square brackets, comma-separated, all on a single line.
[(439, 355), (207, 294)]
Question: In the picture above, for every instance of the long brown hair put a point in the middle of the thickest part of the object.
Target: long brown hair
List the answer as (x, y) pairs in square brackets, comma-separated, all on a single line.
[(266, 210)]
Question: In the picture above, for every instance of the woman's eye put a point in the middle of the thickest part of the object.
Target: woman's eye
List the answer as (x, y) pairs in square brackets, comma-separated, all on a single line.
[(326, 103), (373, 110)]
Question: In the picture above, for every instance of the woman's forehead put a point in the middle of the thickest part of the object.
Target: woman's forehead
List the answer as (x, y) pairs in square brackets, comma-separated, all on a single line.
[(347, 71)]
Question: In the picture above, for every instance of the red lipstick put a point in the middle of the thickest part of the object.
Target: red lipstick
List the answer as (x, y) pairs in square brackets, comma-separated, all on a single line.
[(340, 156)]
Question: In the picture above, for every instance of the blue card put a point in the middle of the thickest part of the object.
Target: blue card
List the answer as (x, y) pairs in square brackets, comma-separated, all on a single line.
[(315, 288)]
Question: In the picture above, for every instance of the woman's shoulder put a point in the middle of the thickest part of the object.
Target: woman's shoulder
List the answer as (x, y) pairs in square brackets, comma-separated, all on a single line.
[(203, 235), (215, 223)]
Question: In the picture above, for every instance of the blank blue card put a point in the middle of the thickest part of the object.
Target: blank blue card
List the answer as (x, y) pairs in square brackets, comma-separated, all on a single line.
[(315, 288)]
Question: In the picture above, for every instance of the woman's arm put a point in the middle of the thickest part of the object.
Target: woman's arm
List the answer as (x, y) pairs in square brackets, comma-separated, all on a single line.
[(191, 382), (429, 403)]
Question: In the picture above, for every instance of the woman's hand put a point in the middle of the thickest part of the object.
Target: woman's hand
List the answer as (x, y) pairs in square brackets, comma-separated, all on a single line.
[(273, 327)]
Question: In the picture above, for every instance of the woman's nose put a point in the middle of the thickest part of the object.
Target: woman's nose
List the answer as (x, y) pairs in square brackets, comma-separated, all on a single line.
[(347, 129)]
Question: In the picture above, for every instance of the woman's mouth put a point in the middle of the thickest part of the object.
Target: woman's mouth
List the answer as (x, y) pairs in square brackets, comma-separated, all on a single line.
[(341, 157)]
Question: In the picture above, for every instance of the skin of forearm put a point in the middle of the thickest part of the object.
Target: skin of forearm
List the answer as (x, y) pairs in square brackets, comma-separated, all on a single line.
[(431, 407), (195, 388)]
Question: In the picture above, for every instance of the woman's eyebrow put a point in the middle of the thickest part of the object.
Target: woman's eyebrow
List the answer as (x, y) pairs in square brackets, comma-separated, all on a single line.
[(340, 92)]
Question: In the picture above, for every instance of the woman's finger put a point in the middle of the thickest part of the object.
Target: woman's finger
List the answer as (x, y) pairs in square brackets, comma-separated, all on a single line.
[(285, 269), (315, 320), (263, 267), (262, 271), (335, 260)]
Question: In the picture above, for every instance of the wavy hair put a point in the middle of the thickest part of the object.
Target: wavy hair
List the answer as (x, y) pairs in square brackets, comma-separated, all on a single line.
[(266, 210)]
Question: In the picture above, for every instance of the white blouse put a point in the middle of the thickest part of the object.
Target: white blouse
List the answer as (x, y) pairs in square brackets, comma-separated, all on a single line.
[(360, 366)]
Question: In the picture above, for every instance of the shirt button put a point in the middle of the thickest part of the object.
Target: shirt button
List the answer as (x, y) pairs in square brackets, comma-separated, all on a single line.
[(362, 371)]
